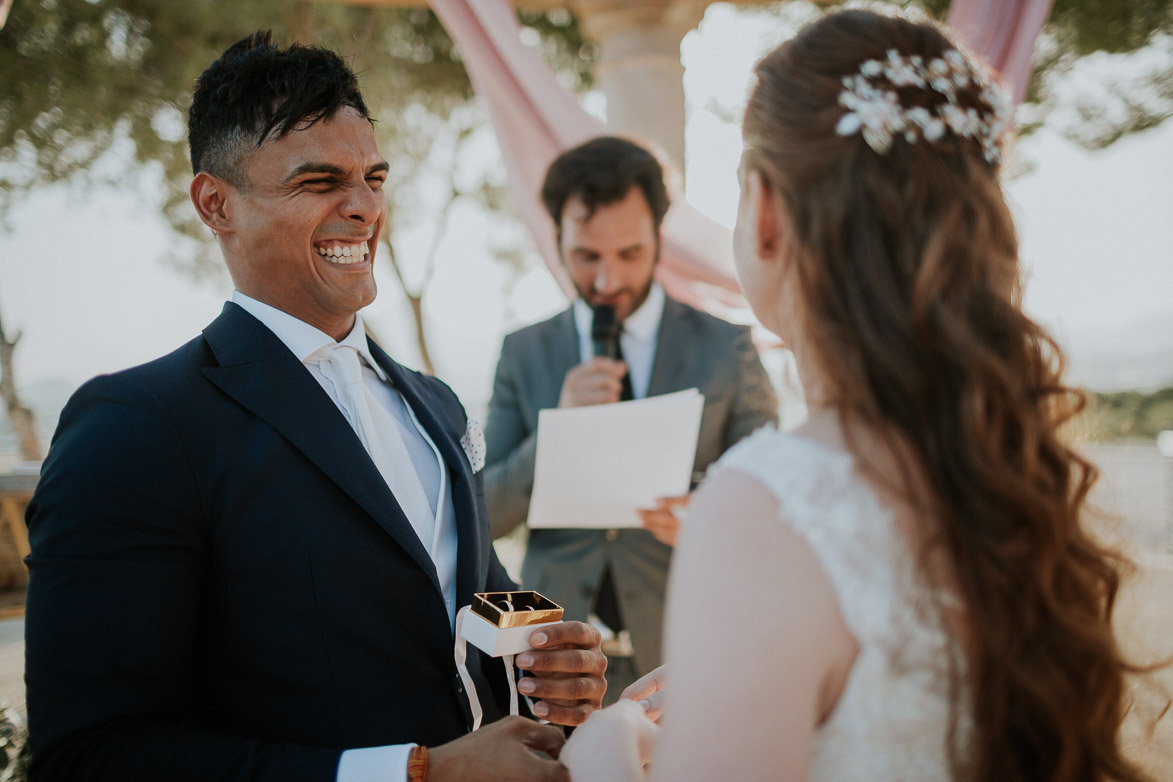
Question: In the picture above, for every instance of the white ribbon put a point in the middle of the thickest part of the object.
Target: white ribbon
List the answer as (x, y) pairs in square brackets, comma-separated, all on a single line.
[(460, 652)]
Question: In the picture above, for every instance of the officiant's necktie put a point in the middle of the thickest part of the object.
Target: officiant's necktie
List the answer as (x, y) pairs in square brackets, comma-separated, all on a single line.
[(606, 605), (380, 436), (627, 394)]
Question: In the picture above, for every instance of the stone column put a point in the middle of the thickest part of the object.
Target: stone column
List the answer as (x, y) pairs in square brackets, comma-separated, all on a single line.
[(639, 67)]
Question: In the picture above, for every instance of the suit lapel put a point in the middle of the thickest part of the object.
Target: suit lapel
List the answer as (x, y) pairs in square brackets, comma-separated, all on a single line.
[(565, 352), (261, 374), (670, 364)]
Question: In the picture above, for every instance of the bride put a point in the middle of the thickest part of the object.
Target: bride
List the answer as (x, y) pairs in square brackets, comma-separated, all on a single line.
[(901, 589)]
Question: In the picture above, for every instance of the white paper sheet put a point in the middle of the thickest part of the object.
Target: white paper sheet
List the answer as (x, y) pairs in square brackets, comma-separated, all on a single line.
[(597, 465)]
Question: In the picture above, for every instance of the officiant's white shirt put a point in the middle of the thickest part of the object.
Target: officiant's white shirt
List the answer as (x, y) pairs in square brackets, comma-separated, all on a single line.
[(637, 339), (389, 763)]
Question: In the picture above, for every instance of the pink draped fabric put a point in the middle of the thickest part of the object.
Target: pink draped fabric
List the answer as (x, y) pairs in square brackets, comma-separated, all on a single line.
[(1004, 33), (535, 119), (5, 7)]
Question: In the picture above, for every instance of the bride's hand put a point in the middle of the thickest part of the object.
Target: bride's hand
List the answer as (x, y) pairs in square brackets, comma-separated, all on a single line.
[(613, 745), (648, 692)]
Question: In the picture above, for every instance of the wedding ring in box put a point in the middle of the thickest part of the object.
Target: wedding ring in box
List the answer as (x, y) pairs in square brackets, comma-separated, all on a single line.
[(500, 623)]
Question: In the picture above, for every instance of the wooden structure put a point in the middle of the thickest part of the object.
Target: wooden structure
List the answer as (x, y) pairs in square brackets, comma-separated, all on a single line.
[(15, 492)]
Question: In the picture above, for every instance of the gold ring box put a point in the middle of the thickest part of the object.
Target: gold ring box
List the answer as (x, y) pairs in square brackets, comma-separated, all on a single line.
[(500, 623), (515, 609)]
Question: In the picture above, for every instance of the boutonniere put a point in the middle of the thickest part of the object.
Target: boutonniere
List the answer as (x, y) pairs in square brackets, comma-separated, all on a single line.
[(473, 443)]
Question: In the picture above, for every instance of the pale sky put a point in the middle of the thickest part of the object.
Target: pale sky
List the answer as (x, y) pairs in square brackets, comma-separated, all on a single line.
[(83, 276)]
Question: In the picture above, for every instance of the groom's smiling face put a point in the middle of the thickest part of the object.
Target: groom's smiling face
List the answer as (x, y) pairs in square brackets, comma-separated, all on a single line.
[(305, 224)]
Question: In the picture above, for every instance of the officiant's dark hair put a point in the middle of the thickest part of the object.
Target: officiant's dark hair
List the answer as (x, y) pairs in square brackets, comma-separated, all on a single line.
[(601, 172), (255, 90), (907, 273)]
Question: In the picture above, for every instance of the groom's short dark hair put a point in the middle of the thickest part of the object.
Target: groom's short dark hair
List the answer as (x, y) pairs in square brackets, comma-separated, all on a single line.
[(601, 172), (255, 90)]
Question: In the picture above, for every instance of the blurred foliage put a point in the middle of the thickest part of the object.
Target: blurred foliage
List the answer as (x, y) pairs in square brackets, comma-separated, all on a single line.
[(1137, 99), (81, 77), (14, 750), (1129, 415), (1113, 26), (1088, 26)]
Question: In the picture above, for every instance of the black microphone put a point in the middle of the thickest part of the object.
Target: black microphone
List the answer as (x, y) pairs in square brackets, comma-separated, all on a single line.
[(605, 331)]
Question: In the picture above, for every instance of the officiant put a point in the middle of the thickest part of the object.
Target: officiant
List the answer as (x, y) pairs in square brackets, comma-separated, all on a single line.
[(607, 199), (247, 556)]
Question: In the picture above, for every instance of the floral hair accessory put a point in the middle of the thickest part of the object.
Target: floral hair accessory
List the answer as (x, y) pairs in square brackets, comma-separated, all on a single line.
[(879, 115)]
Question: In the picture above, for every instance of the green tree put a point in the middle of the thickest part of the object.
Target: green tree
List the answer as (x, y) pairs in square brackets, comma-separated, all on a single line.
[(1124, 415), (82, 77), (1077, 30)]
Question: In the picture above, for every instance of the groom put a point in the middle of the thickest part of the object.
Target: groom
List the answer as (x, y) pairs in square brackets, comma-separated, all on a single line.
[(247, 555)]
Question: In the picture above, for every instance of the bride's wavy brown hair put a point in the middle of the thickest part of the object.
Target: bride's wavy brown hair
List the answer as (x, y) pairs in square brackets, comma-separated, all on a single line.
[(907, 267)]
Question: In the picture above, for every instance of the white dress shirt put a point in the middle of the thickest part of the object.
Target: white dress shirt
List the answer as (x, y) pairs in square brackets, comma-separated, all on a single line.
[(389, 763), (637, 339)]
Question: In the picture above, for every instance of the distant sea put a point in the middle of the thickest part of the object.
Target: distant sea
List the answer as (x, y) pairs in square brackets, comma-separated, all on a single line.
[(46, 400), (1135, 486)]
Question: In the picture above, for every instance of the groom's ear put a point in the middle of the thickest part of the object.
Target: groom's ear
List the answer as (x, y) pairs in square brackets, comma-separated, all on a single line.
[(210, 194)]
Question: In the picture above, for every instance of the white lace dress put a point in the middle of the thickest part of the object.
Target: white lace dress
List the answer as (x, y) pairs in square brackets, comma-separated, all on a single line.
[(892, 719)]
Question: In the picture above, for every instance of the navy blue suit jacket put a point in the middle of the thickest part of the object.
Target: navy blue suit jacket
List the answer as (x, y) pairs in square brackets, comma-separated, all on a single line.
[(221, 585)]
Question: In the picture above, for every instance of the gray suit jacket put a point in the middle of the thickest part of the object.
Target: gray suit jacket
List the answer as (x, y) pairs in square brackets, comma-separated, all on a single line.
[(694, 350)]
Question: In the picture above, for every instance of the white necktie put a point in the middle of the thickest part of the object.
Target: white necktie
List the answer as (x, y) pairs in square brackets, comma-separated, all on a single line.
[(382, 439)]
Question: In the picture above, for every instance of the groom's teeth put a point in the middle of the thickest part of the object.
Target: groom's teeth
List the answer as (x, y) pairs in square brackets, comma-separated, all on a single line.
[(345, 253)]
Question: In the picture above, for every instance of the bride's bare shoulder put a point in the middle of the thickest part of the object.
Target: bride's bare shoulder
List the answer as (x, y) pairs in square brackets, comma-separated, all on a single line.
[(748, 597)]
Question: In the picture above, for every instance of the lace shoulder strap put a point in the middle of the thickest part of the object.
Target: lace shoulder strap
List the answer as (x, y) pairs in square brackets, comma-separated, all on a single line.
[(820, 497)]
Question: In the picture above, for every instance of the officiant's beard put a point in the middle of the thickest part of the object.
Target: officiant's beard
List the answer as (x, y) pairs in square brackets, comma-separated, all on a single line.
[(625, 300)]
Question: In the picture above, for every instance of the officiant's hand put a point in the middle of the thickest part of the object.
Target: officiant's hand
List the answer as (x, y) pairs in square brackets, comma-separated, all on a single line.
[(598, 381), (662, 521), (567, 668), (500, 750)]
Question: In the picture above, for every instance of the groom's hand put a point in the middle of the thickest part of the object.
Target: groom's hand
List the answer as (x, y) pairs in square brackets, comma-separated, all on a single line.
[(567, 666), (501, 750)]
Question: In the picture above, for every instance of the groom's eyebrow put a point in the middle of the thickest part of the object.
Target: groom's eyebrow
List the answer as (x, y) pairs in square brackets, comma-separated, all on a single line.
[(315, 167)]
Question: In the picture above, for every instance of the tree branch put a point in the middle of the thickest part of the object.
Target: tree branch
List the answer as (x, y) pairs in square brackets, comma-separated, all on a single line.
[(414, 299), (19, 415)]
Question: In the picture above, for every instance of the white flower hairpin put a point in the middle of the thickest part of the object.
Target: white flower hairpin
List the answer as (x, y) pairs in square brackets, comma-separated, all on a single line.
[(876, 112)]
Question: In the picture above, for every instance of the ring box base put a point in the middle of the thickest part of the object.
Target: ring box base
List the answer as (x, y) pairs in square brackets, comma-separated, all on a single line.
[(498, 641)]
